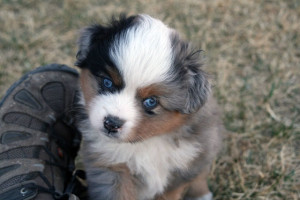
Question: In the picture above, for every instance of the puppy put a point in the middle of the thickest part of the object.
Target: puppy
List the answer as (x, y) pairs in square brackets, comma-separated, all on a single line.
[(152, 127)]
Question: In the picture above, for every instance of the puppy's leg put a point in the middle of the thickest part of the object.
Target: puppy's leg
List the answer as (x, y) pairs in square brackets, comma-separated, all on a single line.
[(126, 188), (175, 194), (113, 183), (198, 189)]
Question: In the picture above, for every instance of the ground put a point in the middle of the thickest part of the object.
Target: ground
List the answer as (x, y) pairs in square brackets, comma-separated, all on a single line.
[(252, 51)]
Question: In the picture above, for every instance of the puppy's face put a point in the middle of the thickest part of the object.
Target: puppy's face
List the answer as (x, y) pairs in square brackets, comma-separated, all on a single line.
[(139, 79)]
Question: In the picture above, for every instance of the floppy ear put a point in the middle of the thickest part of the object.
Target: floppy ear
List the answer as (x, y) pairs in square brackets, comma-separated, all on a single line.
[(101, 36), (194, 85), (198, 87), (87, 36)]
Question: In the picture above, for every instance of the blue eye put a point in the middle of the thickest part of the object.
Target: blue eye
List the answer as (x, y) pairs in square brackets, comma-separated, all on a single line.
[(150, 103), (107, 83)]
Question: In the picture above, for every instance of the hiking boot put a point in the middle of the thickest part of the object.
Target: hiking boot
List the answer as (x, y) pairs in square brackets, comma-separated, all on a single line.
[(38, 138)]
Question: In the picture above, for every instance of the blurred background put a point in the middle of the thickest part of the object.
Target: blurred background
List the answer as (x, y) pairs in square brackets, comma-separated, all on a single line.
[(252, 51)]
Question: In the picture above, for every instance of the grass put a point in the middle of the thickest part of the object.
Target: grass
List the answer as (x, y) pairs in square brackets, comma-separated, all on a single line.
[(252, 50)]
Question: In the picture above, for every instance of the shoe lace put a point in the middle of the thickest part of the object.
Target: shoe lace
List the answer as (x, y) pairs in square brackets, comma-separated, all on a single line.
[(73, 183)]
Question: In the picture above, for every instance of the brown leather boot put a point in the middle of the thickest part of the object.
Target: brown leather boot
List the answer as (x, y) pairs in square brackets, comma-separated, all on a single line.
[(38, 138)]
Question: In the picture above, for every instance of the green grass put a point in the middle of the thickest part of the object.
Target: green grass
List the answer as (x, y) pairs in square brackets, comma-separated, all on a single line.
[(252, 51)]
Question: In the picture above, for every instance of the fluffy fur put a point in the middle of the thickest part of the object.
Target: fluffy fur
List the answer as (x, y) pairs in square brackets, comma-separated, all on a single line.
[(160, 153)]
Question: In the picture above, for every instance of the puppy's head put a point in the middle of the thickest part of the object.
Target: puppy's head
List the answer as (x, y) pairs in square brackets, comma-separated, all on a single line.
[(139, 79)]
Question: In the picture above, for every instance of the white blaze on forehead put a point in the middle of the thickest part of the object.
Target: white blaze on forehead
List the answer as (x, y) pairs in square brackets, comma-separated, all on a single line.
[(143, 53)]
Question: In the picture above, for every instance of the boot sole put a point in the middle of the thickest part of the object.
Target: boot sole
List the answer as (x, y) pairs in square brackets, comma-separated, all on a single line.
[(45, 68)]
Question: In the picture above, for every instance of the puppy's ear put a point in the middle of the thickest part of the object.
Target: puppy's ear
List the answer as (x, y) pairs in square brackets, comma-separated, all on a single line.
[(197, 85), (101, 36), (87, 35), (194, 85)]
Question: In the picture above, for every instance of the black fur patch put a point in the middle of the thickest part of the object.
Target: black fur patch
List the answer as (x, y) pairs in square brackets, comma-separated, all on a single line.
[(95, 43)]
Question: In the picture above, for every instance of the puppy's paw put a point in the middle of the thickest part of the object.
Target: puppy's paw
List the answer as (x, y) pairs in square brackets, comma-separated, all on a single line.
[(207, 196)]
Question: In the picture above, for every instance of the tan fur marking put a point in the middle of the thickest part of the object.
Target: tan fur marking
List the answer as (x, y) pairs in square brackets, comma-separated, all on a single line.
[(193, 189), (198, 187), (162, 123), (88, 85), (114, 74), (127, 189), (176, 194), (152, 90)]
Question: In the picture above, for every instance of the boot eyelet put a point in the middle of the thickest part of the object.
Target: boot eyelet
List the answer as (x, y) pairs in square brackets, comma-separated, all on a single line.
[(23, 191)]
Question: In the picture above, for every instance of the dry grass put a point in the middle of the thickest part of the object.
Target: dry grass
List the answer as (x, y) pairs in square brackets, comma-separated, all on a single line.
[(252, 49)]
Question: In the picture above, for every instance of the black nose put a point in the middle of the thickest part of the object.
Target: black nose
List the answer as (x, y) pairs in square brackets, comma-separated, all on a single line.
[(112, 124)]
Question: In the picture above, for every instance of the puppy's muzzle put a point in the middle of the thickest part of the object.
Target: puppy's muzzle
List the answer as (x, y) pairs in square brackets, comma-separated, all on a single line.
[(113, 124)]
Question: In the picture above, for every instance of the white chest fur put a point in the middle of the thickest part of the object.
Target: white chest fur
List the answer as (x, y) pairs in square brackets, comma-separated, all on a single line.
[(153, 159)]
